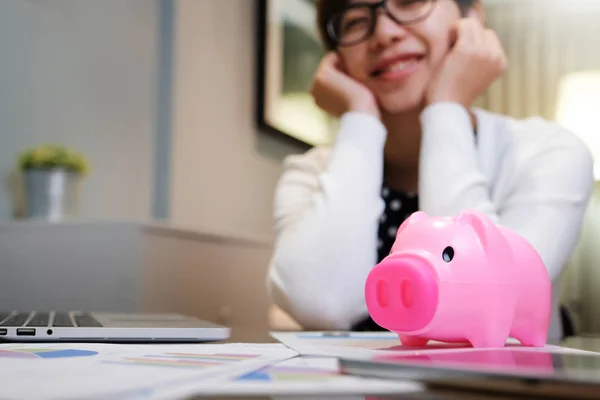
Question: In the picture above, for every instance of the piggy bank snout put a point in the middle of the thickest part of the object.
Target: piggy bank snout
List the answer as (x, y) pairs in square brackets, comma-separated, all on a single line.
[(402, 293)]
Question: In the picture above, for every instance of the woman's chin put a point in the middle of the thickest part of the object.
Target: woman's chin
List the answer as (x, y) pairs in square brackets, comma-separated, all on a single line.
[(401, 101), (400, 106)]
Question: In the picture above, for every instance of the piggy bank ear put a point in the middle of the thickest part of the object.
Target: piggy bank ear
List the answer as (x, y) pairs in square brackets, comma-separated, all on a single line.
[(484, 227), (418, 216), (414, 218)]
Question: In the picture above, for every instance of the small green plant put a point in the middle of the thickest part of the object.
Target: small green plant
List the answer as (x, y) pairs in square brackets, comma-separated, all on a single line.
[(51, 156)]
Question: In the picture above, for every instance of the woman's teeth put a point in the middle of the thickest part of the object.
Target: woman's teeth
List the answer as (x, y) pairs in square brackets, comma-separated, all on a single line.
[(399, 66)]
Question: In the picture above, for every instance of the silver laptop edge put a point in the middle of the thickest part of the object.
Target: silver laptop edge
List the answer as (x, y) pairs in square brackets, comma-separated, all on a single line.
[(119, 327)]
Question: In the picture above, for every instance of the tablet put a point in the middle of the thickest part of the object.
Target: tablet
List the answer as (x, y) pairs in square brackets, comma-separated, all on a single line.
[(524, 371)]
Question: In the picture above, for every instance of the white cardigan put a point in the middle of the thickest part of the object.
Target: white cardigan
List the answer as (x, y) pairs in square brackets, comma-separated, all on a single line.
[(530, 175)]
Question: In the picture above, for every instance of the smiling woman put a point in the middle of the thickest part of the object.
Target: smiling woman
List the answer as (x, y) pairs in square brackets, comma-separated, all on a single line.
[(402, 77)]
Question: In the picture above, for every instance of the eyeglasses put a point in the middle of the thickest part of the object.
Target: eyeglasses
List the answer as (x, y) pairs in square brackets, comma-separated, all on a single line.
[(356, 22)]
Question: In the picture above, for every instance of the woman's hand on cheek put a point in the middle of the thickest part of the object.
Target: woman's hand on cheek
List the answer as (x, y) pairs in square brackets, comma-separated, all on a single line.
[(337, 93), (475, 61)]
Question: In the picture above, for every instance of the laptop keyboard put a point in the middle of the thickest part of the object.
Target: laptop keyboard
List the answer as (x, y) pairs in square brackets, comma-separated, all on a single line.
[(16, 320), (4, 315), (62, 320), (39, 319), (47, 319), (86, 320)]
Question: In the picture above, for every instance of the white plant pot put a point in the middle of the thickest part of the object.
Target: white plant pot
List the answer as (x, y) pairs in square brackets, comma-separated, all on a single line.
[(50, 194)]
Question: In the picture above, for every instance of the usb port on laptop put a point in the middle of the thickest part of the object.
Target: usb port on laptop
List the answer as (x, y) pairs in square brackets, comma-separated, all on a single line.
[(26, 332), (3, 332)]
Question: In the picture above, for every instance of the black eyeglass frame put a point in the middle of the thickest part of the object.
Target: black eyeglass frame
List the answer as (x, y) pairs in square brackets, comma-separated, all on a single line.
[(372, 7)]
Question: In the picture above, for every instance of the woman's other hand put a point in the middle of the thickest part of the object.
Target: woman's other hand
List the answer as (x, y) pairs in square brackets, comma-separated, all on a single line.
[(475, 61)]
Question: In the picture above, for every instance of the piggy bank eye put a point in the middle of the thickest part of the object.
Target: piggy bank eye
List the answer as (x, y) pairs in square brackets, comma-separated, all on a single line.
[(448, 254)]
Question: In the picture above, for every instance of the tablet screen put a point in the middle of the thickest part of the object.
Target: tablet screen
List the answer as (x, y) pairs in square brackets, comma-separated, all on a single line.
[(528, 362)]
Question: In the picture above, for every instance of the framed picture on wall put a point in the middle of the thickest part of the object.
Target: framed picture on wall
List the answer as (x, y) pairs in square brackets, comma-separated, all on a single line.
[(289, 53)]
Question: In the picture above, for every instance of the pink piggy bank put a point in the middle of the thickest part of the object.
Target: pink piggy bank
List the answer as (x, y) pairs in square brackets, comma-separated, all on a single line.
[(460, 279)]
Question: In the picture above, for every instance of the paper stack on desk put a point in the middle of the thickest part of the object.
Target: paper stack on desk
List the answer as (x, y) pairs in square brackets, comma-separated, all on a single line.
[(82, 371), (342, 344), (101, 371), (365, 345), (301, 376), (304, 363)]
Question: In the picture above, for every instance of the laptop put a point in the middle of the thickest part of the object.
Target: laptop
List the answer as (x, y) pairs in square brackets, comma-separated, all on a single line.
[(79, 326)]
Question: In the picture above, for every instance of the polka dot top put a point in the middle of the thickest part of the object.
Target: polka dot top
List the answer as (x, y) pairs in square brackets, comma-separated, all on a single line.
[(398, 207)]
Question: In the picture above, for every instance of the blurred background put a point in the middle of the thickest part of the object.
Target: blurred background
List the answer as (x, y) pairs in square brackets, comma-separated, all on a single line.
[(173, 118)]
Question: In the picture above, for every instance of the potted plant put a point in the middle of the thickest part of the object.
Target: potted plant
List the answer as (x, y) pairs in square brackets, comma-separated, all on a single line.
[(51, 172)]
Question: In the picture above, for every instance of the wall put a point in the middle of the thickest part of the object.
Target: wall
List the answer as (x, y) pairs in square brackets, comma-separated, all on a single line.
[(223, 172), (82, 73), (158, 94), (71, 266)]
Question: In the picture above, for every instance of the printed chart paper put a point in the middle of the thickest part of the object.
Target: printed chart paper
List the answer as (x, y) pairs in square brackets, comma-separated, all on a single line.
[(365, 345), (339, 343), (82, 371), (297, 376)]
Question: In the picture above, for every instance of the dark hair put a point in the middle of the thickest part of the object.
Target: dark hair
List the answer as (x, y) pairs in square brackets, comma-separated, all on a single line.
[(327, 8)]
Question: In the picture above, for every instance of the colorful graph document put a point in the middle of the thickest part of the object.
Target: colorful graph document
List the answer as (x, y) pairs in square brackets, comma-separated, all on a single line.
[(365, 345), (45, 353), (69, 371), (338, 343), (309, 375), (301, 376)]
